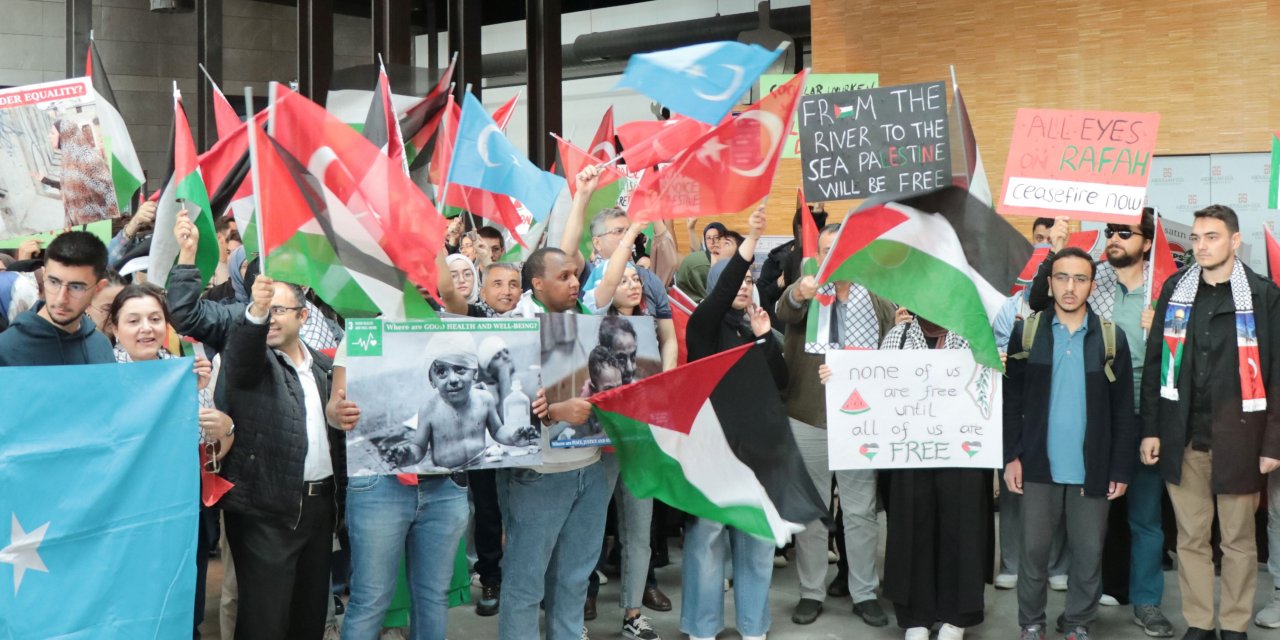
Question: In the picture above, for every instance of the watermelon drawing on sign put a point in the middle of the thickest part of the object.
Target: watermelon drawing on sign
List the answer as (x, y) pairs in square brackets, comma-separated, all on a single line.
[(855, 404)]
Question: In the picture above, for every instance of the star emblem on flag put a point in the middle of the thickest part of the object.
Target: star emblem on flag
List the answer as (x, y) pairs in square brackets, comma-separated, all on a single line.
[(22, 551), (711, 149)]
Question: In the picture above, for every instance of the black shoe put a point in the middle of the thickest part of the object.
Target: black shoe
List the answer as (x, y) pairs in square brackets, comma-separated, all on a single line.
[(1062, 622), (807, 611), (871, 613), (488, 604), (1200, 634), (655, 599), (1233, 635), (661, 558), (338, 607), (839, 588), (589, 610)]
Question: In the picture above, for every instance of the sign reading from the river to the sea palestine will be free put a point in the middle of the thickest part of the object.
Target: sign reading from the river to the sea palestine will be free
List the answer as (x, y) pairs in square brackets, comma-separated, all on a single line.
[(1093, 165), (884, 141)]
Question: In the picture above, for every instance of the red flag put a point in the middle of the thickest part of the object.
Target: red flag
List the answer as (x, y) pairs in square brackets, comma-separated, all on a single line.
[(602, 147), (681, 308), (1273, 256), (726, 171), (1087, 241), (502, 115), (647, 143), (1163, 264), (396, 213), (395, 140), (574, 159), (808, 227)]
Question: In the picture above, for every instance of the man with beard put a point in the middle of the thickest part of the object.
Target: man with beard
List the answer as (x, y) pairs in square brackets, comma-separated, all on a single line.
[(1135, 540)]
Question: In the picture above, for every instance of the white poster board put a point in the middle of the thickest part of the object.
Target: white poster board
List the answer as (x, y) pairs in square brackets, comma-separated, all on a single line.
[(912, 410)]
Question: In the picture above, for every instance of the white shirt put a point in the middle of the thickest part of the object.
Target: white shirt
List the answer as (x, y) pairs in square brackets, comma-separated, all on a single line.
[(317, 465)]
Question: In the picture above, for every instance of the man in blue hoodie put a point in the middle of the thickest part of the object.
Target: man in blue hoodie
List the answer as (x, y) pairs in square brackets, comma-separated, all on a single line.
[(56, 330)]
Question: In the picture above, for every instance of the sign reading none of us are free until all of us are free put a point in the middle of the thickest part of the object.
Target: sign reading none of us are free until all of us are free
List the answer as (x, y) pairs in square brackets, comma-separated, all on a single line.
[(1091, 165), (897, 409), (882, 141)]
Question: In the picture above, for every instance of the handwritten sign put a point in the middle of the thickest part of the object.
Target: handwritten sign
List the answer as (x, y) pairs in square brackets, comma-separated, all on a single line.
[(890, 140), (814, 84), (1093, 164), (913, 409)]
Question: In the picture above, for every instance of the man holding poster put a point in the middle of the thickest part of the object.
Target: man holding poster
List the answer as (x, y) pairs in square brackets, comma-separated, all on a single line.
[(1071, 455)]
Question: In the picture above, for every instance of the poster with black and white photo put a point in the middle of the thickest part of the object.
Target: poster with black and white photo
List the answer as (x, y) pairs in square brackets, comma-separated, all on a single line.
[(442, 395), (583, 355), (54, 171)]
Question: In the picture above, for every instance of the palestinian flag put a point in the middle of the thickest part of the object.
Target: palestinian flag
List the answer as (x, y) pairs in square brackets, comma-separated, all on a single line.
[(691, 438), (126, 171), (844, 111), (1163, 265), (184, 190), (381, 126), (383, 201), (1273, 256), (967, 169), (309, 237), (1273, 194), (944, 255), (225, 168), (225, 118)]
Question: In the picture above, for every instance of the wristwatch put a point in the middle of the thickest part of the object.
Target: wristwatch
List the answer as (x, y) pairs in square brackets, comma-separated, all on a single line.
[(232, 430)]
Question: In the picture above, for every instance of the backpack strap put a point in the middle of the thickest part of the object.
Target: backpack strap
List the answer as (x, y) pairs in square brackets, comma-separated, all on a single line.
[(1109, 343), (1029, 327)]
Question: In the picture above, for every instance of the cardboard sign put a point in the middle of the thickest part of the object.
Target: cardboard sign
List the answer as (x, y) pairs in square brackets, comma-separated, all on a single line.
[(815, 83), (886, 141), (1091, 165), (442, 395), (913, 409), (53, 167)]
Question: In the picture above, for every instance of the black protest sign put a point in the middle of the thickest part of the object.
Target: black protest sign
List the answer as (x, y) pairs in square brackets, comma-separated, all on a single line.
[(884, 141)]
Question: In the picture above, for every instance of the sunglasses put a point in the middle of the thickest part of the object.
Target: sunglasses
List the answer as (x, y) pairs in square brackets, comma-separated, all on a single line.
[(212, 449), (1124, 234)]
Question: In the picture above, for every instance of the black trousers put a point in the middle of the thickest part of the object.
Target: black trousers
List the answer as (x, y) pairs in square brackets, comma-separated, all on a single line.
[(488, 526), (283, 572)]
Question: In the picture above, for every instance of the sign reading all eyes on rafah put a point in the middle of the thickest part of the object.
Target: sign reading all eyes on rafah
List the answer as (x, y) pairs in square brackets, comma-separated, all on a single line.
[(53, 163), (442, 395), (883, 141), (897, 409)]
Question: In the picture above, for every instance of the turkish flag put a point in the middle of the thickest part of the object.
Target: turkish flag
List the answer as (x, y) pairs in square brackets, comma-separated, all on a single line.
[(573, 160), (648, 143), (602, 147), (727, 170)]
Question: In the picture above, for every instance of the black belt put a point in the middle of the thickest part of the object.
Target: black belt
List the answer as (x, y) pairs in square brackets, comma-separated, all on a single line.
[(318, 488), (458, 477)]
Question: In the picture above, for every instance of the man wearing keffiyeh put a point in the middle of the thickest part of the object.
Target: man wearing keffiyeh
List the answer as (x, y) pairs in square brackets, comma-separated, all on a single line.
[(1212, 366)]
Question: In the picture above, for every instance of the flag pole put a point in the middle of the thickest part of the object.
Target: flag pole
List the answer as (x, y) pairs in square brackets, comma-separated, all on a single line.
[(1152, 296), (253, 170), (444, 190)]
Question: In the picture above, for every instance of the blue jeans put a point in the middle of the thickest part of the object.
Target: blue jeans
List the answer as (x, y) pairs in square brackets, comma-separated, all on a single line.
[(386, 520), (555, 524), (702, 604), (1146, 575)]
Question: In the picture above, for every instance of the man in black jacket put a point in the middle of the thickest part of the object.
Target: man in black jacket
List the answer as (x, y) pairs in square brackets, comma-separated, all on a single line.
[(1211, 364), (1071, 455), (286, 466)]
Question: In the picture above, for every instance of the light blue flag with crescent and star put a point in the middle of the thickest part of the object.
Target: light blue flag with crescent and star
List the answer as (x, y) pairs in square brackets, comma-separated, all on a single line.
[(99, 501), (484, 158), (701, 81)]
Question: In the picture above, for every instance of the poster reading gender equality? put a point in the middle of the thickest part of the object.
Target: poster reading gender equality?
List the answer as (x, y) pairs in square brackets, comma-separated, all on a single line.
[(913, 409), (889, 141), (53, 167), (1093, 164)]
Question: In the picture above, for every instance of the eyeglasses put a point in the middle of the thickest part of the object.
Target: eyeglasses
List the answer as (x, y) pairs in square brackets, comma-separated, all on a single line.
[(76, 289), (1124, 234), (277, 310), (711, 239), (212, 449), (612, 232), (1063, 278)]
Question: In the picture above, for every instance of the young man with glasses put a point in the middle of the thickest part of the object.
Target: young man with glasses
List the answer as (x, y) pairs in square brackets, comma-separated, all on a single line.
[(1134, 571), (56, 330), (1071, 455)]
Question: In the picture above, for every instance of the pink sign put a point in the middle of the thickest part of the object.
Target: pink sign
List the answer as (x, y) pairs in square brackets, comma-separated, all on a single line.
[(1089, 165)]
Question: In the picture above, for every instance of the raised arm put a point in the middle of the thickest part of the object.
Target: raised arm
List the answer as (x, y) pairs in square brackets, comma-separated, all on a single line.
[(616, 267), (587, 179)]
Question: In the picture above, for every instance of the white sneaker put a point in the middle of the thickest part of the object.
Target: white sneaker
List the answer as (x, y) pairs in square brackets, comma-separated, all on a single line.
[(1006, 581), (832, 557), (475, 581), (603, 578), (950, 632), (779, 562), (1108, 601), (1269, 616), (917, 633), (1058, 583)]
